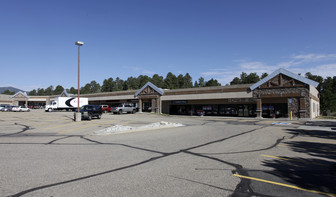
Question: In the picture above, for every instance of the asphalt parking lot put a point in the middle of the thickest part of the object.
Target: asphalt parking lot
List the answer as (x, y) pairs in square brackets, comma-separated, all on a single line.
[(48, 154)]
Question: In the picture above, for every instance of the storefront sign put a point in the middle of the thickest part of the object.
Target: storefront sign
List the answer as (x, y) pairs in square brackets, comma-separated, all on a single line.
[(234, 100), (180, 102), (242, 100), (266, 107), (207, 108)]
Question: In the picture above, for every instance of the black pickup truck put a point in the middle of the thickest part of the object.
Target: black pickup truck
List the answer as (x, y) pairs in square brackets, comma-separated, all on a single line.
[(90, 111)]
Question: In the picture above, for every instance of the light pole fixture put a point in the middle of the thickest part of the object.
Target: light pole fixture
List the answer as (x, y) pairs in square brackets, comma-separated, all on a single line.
[(78, 114)]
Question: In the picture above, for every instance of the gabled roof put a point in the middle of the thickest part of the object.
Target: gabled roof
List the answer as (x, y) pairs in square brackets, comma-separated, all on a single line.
[(20, 93), (65, 93), (287, 73), (158, 90)]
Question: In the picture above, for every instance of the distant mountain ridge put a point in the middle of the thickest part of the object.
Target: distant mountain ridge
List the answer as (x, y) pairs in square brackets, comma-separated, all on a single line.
[(12, 89)]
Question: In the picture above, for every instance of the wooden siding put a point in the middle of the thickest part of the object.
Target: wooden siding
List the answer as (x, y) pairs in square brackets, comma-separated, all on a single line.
[(281, 81)]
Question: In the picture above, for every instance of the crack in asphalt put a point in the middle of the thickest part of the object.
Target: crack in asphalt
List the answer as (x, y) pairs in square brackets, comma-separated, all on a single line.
[(242, 189), (85, 177), (249, 151), (62, 138), (221, 188), (26, 128)]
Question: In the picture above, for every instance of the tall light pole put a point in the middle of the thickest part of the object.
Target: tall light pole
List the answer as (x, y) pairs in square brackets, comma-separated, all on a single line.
[(78, 114)]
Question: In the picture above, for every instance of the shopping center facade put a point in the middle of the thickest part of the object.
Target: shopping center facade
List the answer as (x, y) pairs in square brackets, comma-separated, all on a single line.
[(280, 94)]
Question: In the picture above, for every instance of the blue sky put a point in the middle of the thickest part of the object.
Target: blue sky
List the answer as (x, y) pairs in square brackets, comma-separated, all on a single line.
[(205, 38)]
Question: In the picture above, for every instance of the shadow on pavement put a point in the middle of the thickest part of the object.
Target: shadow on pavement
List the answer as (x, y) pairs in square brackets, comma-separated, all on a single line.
[(315, 149), (314, 173), (331, 135), (325, 123), (310, 174)]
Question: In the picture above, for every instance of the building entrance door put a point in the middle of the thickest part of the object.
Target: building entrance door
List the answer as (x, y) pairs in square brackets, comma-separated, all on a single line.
[(147, 105), (274, 110)]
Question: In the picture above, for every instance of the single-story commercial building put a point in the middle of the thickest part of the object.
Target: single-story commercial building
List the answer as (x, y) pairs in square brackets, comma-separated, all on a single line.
[(280, 94)]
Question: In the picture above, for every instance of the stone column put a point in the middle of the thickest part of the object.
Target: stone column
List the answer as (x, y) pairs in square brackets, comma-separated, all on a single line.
[(48, 101), (153, 105), (160, 102), (158, 105), (140, 105), (293, 106), (303, 109), (259, 108)]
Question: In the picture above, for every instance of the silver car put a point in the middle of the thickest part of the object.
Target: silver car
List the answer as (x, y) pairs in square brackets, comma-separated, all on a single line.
[(6, 108), (20, 109)]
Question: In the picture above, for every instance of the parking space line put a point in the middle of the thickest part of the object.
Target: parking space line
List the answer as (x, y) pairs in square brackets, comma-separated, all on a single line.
[(219, 119), (58, 126), (275, 157), (128, 122), (48, 123), (267, 122), (59, 120), (284, 185), (77, 128), (86, 126), (319, 149), (283, 158), (283, 145), (320, 141), (212, 119), (324, 150), (247, 120), (90, 125), (62, 125), (106, 122), (34, 125)]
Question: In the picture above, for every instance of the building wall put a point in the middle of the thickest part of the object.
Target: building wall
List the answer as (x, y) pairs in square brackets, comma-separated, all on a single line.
[(313, 91), (165, 105), (314, 109), (104, 98), (207, 96), (5, 99), (314, 102), (293, 108), (298, 99)]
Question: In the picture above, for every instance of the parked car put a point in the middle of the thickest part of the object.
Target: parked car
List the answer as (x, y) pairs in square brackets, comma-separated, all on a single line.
[(106, 108), (20, 109), (6, 108), (36, 107), (121, 108), (90, 111)]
